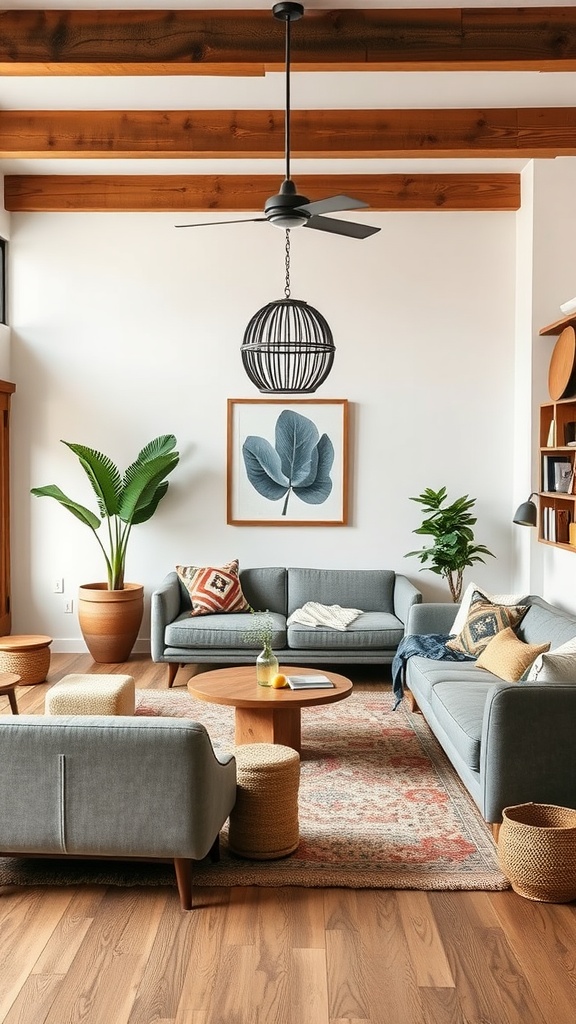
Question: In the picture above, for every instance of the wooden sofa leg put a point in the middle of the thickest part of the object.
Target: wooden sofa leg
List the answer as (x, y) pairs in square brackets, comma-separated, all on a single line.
[(412, 702), (173, 667), (183, 869), (495, 829)]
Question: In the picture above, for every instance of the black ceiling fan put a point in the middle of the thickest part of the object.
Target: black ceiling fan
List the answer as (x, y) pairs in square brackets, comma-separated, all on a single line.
[(288, 209)]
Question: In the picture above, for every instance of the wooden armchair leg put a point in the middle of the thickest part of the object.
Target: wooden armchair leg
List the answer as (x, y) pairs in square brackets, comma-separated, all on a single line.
[(173, 667), (183, 869)]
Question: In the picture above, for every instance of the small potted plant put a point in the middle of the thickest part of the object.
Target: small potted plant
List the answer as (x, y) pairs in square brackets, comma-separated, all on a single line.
[(110, 613), (453, 548), (261, 632)]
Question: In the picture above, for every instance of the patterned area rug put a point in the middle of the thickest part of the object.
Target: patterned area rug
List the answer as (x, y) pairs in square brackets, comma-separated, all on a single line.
[(380, 807)]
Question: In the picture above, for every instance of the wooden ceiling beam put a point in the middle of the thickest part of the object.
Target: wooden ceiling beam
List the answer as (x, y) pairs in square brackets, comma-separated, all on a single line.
[(253, 134), (249, 42), (235, 193)]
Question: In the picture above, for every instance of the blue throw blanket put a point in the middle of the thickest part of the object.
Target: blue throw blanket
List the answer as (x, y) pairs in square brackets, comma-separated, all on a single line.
[(427, 645)]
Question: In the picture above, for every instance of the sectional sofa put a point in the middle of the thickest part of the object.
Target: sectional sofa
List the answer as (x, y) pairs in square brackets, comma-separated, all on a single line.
[(383, 597), (510, 743)]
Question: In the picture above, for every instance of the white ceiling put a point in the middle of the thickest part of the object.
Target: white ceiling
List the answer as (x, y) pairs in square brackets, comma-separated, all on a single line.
[(319, 90)]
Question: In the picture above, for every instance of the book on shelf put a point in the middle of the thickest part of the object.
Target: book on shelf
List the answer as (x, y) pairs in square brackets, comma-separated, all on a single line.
[(556, 472), (562, 526), (556, 524), (318, 682), (562, 476)]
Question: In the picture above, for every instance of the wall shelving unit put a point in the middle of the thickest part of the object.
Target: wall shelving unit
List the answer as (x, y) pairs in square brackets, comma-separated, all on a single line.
[(557, 508)]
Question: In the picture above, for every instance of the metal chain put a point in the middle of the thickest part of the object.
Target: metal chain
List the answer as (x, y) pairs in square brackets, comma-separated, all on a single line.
[(287, 264)]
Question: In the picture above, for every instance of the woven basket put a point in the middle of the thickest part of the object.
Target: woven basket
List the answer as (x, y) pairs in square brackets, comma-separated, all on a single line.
[(31, 666), (264, 819), (537, 851)]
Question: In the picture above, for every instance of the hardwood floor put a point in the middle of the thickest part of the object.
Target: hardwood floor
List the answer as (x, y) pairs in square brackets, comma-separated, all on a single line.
[(97, 955)]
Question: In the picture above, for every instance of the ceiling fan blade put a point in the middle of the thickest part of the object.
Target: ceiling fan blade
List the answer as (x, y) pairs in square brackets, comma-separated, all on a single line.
[(212, 223), (333, 205), (341, 227)]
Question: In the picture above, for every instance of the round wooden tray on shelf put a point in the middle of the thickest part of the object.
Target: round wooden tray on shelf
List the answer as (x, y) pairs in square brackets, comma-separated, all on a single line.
[(562, 371)]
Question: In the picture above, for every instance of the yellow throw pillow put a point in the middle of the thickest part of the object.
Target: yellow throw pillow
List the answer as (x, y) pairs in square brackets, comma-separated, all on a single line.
[(213, 588), (484, 621), (508, 657)]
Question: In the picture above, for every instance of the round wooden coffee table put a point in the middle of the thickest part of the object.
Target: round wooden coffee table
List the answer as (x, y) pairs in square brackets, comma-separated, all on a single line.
[(265, 715)]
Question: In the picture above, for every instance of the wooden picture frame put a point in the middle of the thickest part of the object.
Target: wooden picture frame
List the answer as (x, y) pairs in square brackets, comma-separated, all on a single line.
[(272, 441)]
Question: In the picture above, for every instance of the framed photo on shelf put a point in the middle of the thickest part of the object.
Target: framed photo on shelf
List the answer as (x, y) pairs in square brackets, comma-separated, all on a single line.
[(287, 462)]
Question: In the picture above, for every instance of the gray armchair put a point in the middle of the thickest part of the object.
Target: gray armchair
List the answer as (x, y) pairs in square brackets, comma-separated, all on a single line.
[(113, 787)]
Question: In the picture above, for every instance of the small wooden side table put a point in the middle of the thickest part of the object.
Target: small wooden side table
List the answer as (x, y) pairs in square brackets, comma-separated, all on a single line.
[(28, 656), (8, 680)]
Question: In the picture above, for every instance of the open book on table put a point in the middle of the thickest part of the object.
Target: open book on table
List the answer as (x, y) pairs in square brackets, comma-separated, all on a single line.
[(309, 682)]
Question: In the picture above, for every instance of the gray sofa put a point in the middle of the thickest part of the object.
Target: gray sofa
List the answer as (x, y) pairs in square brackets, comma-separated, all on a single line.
[(384, 597), (113, 787), (510, 743)]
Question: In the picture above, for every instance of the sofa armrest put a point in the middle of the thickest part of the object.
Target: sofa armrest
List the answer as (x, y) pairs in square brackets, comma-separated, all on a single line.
[(432, 617), (164, 608), (527, 751), (405, 596)]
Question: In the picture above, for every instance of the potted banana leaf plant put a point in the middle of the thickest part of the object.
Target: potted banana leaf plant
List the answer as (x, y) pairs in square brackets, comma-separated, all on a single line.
[(110, 613)]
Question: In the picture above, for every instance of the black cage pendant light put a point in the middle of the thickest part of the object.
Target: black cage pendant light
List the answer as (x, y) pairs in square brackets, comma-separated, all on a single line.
[(288, 345)]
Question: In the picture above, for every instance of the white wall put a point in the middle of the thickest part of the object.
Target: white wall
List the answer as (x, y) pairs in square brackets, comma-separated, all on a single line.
[(554, 282), (124, 328)]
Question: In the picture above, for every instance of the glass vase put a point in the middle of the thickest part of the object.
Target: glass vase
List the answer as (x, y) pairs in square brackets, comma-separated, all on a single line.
[(266, 667)]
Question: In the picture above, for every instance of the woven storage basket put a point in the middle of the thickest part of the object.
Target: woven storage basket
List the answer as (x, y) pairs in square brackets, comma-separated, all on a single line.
[(31, 666), (537, 851), (264, 819)]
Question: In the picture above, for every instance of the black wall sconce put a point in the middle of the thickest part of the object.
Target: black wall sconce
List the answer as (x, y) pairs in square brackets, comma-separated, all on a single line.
[(527, 514)]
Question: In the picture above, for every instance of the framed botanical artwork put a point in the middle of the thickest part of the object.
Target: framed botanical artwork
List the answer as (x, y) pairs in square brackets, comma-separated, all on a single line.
[(287, 462)]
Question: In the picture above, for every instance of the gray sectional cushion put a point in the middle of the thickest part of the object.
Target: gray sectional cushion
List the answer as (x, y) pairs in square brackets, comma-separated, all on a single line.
[(220, 631), (371, 630), (422, 674), (543, 623), (265, 588), (369, 589), (459, 709)]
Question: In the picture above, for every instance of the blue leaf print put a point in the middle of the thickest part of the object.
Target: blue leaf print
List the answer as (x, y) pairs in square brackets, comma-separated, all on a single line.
[(300, 463)]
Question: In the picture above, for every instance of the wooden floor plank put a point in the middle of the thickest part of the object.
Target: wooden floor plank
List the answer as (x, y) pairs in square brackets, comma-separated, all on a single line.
[(308, 988), (203, 932), (427, 953), (26, 926), (111, 960), (391, 991), (34, 999), (535, 931), (489, 979), (67, 937)]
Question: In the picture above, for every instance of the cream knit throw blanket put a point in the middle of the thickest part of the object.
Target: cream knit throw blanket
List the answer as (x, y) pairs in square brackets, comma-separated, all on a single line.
[(314, 614)]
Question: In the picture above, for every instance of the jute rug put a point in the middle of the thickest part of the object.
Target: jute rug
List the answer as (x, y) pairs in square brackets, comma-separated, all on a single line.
[(380, 807)]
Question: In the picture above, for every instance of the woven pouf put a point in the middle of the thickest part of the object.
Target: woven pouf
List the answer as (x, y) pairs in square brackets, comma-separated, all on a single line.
[(264, 819), (26, 656), (537, 851), (79, 694)]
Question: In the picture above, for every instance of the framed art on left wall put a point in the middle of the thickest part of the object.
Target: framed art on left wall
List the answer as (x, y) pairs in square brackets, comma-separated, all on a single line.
[(287, 462)]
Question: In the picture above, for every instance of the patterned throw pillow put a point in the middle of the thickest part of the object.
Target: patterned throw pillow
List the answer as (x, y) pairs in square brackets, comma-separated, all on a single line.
[(508, 657), (559, 666), (484, 621), (472, 593), (213, 588)]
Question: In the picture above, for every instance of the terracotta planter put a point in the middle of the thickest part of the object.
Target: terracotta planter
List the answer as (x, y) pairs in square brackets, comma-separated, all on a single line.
[(110, 619)]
